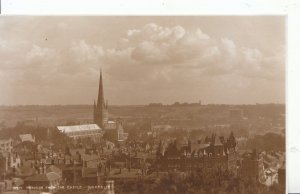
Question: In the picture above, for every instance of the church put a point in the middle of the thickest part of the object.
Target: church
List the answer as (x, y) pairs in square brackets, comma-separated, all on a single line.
[(101, 126), (113, 129)]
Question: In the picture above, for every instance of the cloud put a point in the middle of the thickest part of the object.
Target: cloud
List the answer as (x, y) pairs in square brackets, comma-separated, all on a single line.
[(154, 62), (155, 47), (38, 52), (84, 52)]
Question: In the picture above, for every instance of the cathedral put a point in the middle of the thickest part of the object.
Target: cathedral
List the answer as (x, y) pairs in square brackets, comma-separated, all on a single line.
[(114, 129)]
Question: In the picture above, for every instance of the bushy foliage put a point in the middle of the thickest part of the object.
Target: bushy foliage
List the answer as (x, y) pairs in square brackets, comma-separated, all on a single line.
[(262, 142)]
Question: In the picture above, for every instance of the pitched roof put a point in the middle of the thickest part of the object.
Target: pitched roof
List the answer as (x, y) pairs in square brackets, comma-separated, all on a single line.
[(5, 141), (87, 157), (17, 181), (50, 176), (197, 147), (53, 168), (133, 174), (25, 171), (182, 140), (76, 128), (217, 141), (26, 137), (89, 172)]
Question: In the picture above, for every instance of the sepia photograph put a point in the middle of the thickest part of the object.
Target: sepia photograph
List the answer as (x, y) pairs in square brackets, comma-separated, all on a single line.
[(143, 104)]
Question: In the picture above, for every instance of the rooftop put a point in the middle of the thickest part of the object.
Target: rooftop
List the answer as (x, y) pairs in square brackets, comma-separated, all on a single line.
[(75, 128), (50, 176), (26, 137)]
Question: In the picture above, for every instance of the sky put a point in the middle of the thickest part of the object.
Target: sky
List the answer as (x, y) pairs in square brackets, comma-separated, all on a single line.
[(216, 59)]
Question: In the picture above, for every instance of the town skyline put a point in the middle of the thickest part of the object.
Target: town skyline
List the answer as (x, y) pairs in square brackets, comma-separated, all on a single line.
[(217, 60)]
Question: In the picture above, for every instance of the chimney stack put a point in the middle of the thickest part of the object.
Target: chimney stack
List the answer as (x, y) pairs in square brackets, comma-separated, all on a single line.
[(40, 170), (44, 169)]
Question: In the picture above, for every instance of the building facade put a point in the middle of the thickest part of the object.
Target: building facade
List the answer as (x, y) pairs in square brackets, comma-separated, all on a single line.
[(252, 167), (6, 145), (9, 161), (213, 153)]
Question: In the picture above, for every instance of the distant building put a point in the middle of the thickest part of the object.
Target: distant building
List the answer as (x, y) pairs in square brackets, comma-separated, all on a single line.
[(252, 167), (212, 153), (27, 137), (48, 181), (82, 131), (110, 125), (6, 145), (8, 161), (281, 175), (116, 134), (122, 136), (25, 171), (3, 165), (161, 128)]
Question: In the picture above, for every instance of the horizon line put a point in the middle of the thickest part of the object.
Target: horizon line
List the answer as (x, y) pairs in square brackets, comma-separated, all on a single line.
[(148, 104)]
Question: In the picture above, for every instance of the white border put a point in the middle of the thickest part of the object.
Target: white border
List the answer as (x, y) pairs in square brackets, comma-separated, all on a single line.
[(291, 8), (143, 7)]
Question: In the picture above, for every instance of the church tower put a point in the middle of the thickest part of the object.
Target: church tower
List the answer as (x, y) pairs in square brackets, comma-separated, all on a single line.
[(100, 108)]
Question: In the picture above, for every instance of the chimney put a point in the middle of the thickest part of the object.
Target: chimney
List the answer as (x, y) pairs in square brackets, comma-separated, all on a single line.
[(110, 185), (98, 175), (44, 169), (40, 170)]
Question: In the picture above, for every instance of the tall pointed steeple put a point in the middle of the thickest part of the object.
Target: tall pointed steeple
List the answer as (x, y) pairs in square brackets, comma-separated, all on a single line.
[(95, 111), (100, 101), (100, 109)]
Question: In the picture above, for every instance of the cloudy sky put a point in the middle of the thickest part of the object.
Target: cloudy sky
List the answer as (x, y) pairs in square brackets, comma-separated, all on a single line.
[(56, 60)]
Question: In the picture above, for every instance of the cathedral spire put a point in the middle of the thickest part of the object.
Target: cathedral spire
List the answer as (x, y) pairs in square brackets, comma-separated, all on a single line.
[(100, 101), (100, 109), (95, 111)]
